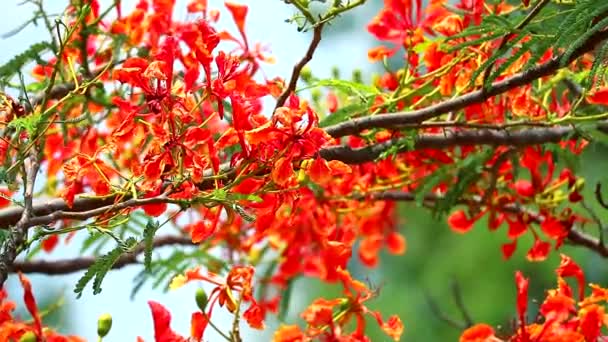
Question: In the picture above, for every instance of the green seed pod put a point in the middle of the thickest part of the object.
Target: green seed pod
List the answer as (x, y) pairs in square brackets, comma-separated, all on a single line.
[(316, 95), (357, 76), (201, 299), (306, 74), (335, 72), (104, 324), (29, 336)]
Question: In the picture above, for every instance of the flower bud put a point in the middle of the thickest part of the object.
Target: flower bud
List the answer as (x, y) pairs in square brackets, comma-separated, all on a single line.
[(335, 72), (316, 95), (104, 324), (201, 299), (29, 336), (306, 74), (357, 76)]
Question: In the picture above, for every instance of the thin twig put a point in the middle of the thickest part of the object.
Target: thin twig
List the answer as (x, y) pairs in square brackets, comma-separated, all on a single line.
[(442, 315), (457, 293), (599, 197), (297, 69), (66, 266)]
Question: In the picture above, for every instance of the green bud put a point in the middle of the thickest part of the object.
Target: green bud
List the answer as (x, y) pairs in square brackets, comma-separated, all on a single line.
[(29, 336), (335, 72), (306, 74), (357, 76), (104, 324), (316, 95), (201, 299)]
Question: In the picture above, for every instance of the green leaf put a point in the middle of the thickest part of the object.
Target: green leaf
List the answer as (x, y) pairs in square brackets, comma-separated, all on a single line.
[(101, 267), (345, 113), (29, 123), (15, 65), (348, 87), (149, 232)]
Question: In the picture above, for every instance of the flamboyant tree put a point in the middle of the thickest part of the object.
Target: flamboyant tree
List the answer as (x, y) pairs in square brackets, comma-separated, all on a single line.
[(126, 123)]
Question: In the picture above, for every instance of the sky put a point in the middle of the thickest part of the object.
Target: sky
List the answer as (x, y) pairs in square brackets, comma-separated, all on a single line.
[(346, 48)]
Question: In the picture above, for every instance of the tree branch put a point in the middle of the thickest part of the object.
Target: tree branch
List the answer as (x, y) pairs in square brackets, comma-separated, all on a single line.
[(524, 137), (297, 69), (390, 120), (18, 233), (575, 236), (67, 266), (83, 208)]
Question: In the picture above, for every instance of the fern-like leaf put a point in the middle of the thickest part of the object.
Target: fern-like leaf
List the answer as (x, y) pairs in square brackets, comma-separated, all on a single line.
[(13, 66), (149, 233)]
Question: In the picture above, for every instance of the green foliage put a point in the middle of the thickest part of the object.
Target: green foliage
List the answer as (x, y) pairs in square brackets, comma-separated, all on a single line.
[(347, 87), (345, 113), (178, 261), (12, 67), (149, 233), (556, 26), (468, 172), (102, 266), (407, 143)]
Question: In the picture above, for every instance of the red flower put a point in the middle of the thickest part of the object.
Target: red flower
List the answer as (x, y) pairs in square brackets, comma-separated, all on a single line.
[(568, 268), (478, 333), (459, 222), (162, 324)]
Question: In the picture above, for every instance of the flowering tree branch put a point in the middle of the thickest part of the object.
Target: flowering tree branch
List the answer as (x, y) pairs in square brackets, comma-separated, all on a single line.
[(66, 266), (392, 120), (575, 236), (86, 207)]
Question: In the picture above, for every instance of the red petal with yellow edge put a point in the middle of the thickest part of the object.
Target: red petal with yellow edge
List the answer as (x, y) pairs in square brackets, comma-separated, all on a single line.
[(319, 171), (289, 333), (393, 327)]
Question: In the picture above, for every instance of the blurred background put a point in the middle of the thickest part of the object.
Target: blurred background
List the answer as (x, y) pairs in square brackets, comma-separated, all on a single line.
[(435, 260)]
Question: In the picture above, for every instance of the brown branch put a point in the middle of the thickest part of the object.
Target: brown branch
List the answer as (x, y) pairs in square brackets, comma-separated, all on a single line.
[(18, 233), (297, 69), (575, 236), (83, 208), (491, 137), (391, 120), (67, 266)]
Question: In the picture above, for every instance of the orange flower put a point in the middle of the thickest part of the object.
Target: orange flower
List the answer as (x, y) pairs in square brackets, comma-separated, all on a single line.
[(478, 333)]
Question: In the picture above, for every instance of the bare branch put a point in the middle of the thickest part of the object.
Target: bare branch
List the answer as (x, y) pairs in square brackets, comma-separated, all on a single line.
[(297, 69), (66, 266), (390, 120)]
